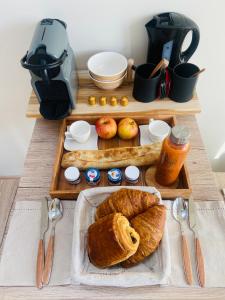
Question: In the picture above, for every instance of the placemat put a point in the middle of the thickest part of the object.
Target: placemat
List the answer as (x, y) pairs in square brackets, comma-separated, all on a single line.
[(8, 189), (18, 261)]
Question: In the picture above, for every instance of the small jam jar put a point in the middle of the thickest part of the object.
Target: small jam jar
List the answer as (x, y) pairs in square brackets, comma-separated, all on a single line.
[(114, 176), (72, 175), (132, 174), (92, 176)]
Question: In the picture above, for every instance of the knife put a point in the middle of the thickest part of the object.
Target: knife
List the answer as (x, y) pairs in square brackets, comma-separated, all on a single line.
[(198, 251), (41, 249)]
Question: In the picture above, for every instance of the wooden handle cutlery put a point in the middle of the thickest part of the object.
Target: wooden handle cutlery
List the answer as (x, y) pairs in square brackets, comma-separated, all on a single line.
[(198, 252), (186, 260), (40, 264), (41, 250), (48, 261), (199, 263), (181, 212), (44, 263)]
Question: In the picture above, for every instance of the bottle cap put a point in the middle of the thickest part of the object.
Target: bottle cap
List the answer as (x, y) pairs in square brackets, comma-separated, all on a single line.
[(72, 174), (132, 173), (92, 175), (115, 175), (180, 135)]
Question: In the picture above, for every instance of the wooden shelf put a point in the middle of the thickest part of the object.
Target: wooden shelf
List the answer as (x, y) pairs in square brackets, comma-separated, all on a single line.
[(87, 88)]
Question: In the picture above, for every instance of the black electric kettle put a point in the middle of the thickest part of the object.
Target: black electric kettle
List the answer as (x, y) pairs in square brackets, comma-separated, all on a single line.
[(171, 26)]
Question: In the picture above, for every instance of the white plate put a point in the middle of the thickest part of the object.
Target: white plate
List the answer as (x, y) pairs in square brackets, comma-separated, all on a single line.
[(144, 135), (90, 144), (107, 64), (154, 270)]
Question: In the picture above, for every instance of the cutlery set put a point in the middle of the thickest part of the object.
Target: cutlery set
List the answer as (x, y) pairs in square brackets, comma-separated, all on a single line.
[(181, 212), (198, 251), (49, 215)]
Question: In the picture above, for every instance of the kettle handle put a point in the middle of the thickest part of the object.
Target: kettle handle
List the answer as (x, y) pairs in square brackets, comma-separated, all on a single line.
[(185, 56)]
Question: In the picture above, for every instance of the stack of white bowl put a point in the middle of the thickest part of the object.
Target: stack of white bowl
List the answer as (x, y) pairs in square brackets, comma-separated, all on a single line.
[(107, 69)]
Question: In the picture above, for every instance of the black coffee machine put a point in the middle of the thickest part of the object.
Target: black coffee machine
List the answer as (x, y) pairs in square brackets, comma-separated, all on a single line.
[(51, 63), (174, 27)]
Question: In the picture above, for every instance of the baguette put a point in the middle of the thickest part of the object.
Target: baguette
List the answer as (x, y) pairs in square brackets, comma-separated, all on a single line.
[(113, 158)]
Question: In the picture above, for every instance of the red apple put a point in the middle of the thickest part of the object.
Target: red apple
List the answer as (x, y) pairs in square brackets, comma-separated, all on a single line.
[(106, 127), (127, 129)]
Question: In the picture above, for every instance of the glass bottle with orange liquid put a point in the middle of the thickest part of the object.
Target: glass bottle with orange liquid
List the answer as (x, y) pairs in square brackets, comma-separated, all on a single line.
[(173, 154)]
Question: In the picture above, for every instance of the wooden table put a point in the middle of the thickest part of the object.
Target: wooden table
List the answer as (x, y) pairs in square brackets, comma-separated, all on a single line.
[(35, 183)]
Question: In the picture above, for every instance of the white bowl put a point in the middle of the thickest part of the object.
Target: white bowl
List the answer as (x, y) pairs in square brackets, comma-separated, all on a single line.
[(107, 66), (108, 85), (107, 79)]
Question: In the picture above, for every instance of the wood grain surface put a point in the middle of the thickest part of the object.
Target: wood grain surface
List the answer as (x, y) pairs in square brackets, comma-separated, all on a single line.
[(111, 293), (87, 88), (220, 179), (8, 187)]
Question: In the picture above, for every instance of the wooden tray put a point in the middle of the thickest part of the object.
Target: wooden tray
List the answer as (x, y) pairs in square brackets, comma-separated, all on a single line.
[(62, 189), (87, 88)]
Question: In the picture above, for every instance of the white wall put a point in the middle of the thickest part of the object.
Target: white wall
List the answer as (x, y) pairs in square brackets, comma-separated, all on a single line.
[(95, 25)]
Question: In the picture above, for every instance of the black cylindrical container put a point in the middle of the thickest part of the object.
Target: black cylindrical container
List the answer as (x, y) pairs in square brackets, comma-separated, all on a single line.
[(145, 88), (183, 82)]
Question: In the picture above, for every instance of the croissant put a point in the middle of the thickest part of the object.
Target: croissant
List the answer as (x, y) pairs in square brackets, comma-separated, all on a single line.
[(129, 202), (111, 240), (149, 226)]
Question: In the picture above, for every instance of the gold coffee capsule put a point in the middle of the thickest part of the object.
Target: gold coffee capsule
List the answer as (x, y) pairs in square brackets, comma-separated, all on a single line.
[(92, 100), (102, 101), (124, 101), (113, 101)]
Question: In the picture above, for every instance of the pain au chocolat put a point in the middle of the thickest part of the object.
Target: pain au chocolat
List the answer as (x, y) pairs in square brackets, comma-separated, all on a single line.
[(111, 240), (129, 202)]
